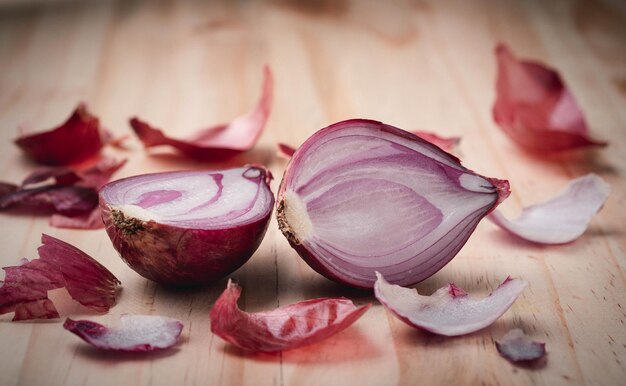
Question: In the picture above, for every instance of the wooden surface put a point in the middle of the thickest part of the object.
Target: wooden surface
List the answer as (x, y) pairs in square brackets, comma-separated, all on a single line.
[(430, 65)]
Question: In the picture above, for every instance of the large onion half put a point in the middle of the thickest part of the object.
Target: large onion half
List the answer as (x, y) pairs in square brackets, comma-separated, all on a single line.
[(189, 227), (361, 196)]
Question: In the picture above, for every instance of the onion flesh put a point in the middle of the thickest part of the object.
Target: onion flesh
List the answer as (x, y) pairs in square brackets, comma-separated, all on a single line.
[(284, 328), (561, 219), (360, 196), (449, 311), (189, 227), (135, 333)]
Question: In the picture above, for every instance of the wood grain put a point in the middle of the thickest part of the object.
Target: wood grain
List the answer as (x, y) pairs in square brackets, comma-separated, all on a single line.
[(416, 64)]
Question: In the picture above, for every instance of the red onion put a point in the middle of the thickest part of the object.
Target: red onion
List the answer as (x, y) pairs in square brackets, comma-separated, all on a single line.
[(189, 227), (361, 196)]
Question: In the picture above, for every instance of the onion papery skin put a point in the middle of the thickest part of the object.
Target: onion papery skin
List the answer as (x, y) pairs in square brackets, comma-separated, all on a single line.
[(177, 252), (357, 180)]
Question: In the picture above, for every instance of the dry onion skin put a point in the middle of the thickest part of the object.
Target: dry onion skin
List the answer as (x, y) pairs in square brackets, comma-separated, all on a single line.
[(188, 227), (361, 196), (563, 218), (60, 265), (218, 142), (535, 108), (292, 326), (78, 139), (518, 347), (135, 333), (449, 311)]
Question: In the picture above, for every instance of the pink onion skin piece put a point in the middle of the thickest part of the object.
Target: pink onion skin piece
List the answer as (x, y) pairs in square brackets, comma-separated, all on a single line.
[(92, 220), (363, 148), (75, 141), (296, 325), (218, 142), (60, 265), (449, 311), (136, 333), (445, 143), (563, 218), (535, 108), (517, 347), (181, 254)]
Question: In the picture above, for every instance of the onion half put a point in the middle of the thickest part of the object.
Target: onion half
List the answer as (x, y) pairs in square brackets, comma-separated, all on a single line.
[(189, 227), (361, 196)]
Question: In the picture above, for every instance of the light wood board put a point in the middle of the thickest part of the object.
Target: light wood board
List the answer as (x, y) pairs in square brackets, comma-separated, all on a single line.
[(183, 65)]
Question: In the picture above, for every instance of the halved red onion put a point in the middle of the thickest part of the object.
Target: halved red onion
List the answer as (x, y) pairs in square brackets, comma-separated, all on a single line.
[(189, 227), (25, 287), (76, 140), (360, 196), (561, 219), (135, 333), (517, 347), (449, 311), (535, 108), (218, 142), (284, 328)]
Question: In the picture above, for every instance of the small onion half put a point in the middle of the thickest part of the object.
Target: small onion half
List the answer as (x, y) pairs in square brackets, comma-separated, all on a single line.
[(361, 196), (189, 227)]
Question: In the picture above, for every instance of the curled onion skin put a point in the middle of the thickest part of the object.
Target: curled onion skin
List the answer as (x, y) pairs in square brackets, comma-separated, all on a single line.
[(177, 248), (361, 196)]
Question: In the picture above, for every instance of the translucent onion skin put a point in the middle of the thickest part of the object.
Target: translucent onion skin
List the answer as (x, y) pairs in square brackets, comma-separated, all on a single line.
[(361, 196), (189, 252)]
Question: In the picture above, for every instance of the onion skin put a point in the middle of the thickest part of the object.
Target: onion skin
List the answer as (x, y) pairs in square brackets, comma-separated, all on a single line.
[(179, 256), (436, 255)]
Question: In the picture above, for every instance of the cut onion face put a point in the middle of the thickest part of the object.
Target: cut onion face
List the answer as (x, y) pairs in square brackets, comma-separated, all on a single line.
[(535, 108), (135, 333), (60, 265), (218, 142), (449, 311), (517, 347), (361, 196), (284, 328), (190, 227), (561, 219), (75, 141)]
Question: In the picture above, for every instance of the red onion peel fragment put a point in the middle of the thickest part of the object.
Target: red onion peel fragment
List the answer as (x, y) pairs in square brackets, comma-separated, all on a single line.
[(189, 227), (284, 328), (517, 347), (70, 194), (449, 311), (135, 333), (360, 196), (218, 142), (60, 265), (76, 140), (535, 108), (561, 219)]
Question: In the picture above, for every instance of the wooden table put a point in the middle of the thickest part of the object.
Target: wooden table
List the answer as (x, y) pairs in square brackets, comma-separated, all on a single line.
[(430, 65)]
